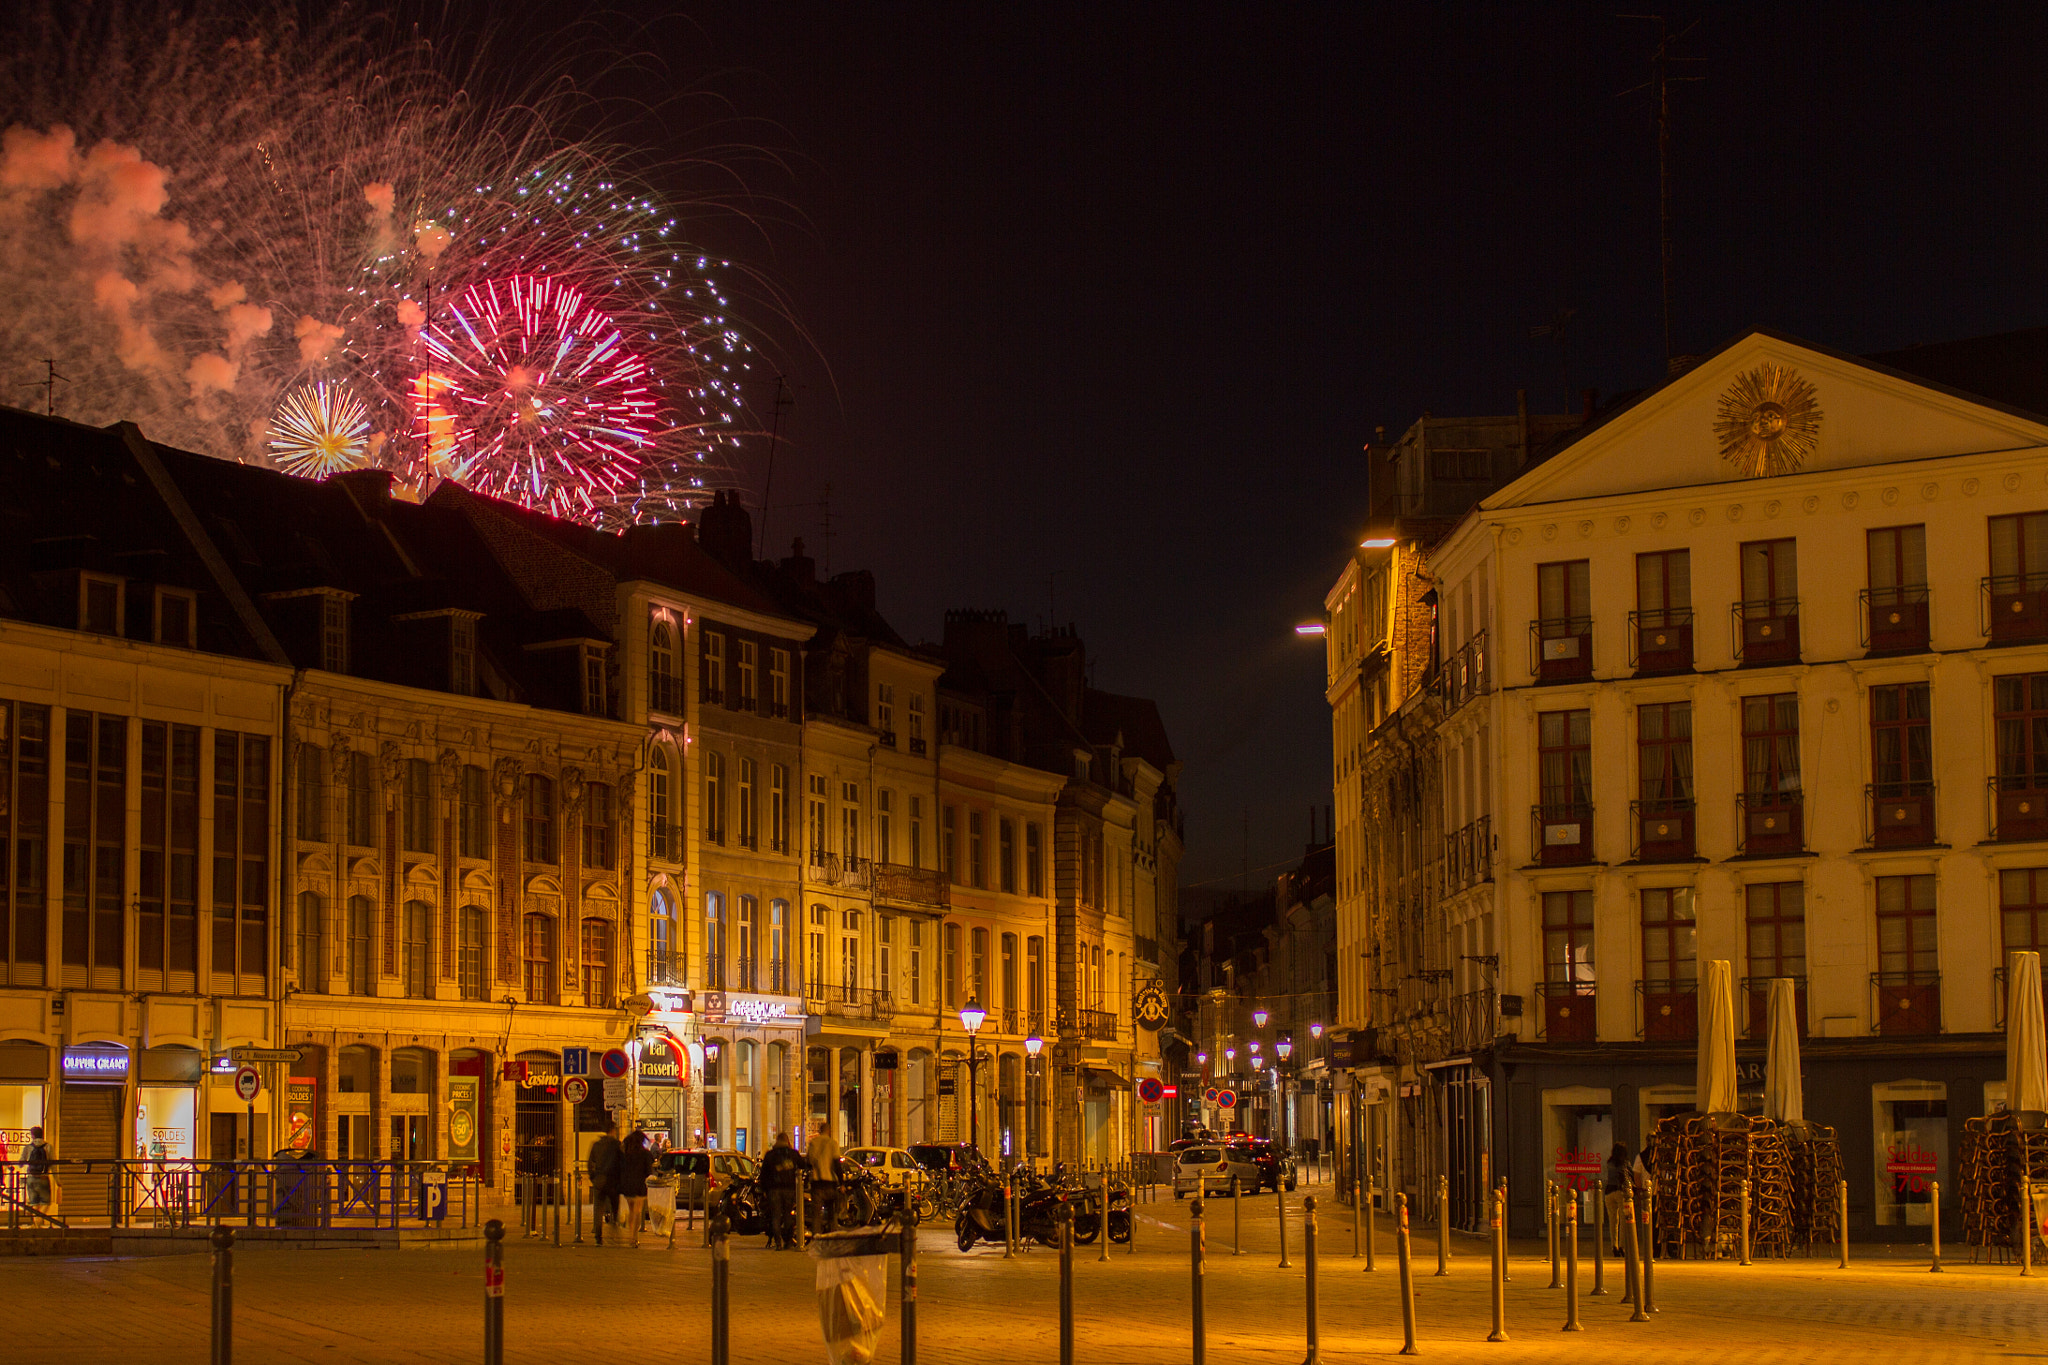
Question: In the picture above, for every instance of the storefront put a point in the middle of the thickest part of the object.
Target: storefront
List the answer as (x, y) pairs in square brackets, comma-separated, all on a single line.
[(24, 1082), (536, 1112), (750, 1045), (90, 1113), (167, 1098)]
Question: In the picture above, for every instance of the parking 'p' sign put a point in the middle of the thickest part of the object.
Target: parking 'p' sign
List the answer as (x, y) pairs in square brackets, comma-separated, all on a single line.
[(248, 1085)]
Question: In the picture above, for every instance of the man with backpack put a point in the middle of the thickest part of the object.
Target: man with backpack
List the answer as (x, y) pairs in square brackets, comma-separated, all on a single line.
[(39, 1190)]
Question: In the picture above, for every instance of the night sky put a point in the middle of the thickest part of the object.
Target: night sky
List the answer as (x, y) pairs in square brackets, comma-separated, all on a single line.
[(1089, 310)]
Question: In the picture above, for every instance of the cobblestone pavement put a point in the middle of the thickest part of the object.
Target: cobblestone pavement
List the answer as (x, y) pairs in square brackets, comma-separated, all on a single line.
[(584, 1303)]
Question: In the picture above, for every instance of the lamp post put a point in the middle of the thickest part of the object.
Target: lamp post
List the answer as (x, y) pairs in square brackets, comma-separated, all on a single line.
[(971, 1015), (1259, 1017), (1031, 1049), (1285, 1048)]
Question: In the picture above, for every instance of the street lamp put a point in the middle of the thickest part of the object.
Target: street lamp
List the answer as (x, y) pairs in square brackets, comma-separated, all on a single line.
[(971, 1015), (1201, 1059), (1259, 1017), (1284, 1047), (1315, 1031), (1031, 1049)]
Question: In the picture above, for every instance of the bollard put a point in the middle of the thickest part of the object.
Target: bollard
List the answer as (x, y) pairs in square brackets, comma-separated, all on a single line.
[(1009, 1217), (1742, 1226), (1635, 1279), (1550, 1211), (494, 1293), (1649, 1246), (1568, 1233), (2026, 1228), (1102, 1217), (1361, 1202), (1443, 1225), (1407, 1272), (1308, 1256), (1500, 1268), (720, 1229), (1599, 1289), (803, 1215), (1065, 1216), (1197, 1246), (223, 1296), (1502, 1187), (1236, 1220), (1934, 1222), (1280, 1203), (907, 1354), (555, 1192), (1842, 1207)]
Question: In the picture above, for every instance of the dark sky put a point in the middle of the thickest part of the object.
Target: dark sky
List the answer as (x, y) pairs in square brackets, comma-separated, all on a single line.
[(1098, 304)]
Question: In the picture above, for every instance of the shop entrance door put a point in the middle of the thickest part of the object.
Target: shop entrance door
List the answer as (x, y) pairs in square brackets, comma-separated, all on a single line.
[(410, 1137), (1468, 1138), (91, 1130), (1578, 1133), (352, 1137)]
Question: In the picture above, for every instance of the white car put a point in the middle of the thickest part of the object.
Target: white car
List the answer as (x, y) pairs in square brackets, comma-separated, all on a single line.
[(893, 1166), (1207, 1171)]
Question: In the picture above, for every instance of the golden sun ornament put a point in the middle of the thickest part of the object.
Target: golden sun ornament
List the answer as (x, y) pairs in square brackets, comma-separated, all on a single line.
[(1769, 421)]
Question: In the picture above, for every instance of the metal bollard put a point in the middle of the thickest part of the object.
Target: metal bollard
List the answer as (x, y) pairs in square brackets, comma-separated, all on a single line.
[(1065, 1215), (1500, 1268), (555, 1192), (1236, 1220), (1197, 1247), (1934, 1223), (1649, 1245), (2026, 1228), (1308, 1256), (720, 1228), (1280, 1203), (1599, 1245), (1102, 1217), (494, 1293), (803, 1216), (1443, 1225), (1551, 1227), (1502, 1187), (577, 1186), (1568, 1233), (1407, 1275), (907, 1354), (1743, 1225), (223, 1240), (1842, 1208), (1635, 1278), (1009, 1217)]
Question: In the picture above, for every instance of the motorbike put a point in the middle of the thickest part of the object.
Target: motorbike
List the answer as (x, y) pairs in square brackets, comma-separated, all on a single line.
[(981, 1217), (861, 1196)]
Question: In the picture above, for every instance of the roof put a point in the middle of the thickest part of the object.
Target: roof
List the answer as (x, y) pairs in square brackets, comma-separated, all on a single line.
[(1108, 715), (2009, 368)]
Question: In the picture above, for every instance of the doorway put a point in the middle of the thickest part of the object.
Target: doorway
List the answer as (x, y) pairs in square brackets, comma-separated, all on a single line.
[(409, 1137), (1578, 1132), (352, 1137)]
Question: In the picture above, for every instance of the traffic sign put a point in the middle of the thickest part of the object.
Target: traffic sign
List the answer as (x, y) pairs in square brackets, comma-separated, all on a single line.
[(575, 1090), (615, 1063), (244, 1055), (1171, 1092), (248, 1085), (575, 1061), (1227, 1098), (1150, 1090), (1209, 1095), (618, 1092)]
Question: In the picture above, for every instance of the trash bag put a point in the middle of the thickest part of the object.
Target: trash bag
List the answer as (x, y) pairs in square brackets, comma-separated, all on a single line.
[(853, 1289)]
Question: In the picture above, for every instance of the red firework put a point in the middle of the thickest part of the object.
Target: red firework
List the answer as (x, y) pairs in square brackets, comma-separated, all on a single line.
[(530, 393)]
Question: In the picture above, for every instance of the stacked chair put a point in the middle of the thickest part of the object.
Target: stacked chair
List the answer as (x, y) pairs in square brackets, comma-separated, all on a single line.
[(1816, 1172)]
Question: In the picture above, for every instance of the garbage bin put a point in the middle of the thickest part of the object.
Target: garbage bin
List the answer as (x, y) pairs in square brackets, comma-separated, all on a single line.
[(296, 1188), (431, 1195), (853, 1290)]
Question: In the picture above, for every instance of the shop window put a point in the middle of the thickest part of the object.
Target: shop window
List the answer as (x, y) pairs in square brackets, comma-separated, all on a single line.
[(412, 1071), (1909, 1128), (356, 1071)]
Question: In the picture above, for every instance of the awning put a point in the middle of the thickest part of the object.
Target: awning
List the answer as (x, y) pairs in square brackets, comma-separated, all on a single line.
[(1102, 1078)]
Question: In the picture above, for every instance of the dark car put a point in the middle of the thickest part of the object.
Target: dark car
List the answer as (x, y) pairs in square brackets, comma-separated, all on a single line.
[(1276, 1165), (948, 1158)]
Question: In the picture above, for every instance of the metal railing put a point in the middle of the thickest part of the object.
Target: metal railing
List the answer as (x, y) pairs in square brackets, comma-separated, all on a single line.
[(829, 869), (1660, 641), (917, 746), (665, 840), (850, 1002), (714, 971), (909, 885), (665, 971), (1468, 855), (665, 693), (1561, 648), (1099, 1025), (1898, 814), (1569, 1011), (1769, 823), (1466, 674), (1893, 620), (1563, 832), (1766, 631), (1667, 1011), (1905, 1002), (2017, 807), (1475, 1020), (887, 738), (1757, 1024), (1663, 830), (2014, 608), (187, 1192)]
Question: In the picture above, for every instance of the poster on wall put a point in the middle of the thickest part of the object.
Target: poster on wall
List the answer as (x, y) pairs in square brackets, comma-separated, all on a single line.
[(299, 1112), (462, 1093)]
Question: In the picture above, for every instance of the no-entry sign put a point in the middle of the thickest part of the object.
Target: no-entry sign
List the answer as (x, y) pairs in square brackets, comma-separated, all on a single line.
[(248, 1085)]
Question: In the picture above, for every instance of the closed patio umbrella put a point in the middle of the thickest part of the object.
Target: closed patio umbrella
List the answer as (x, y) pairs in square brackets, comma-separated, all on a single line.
[(2026, 1049), (1716, 1076), (1784, 1097)]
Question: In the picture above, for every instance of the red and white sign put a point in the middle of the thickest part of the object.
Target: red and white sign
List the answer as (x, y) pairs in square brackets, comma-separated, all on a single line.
[(1171, 1092), (1227, 1098), (1150, 1089), (248, 1084), (615, 1062)]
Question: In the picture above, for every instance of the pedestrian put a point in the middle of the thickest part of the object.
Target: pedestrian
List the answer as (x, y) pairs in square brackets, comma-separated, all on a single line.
[(778, 1190), (824, 1158), (1615, 1188), (39, 1190), (634, 1164), (604, 1179)]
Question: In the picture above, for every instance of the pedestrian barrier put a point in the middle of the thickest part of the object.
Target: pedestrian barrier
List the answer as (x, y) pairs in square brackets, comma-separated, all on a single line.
[(494, 1293), (1308, 1256), (1197, 1248), (1568, 1233), (1551, 1229), (1407, 1275), (223, 1352)]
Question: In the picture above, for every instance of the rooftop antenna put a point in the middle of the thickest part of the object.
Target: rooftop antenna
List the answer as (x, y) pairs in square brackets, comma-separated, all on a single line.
[(49, 387), (774, 437), (1661, 81)]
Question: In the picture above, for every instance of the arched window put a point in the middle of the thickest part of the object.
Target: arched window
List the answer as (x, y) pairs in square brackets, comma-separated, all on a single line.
[(538, 944), (419, 928), (597, 963), (540, 819), (661, 940), (360, 982), (470, 961), (660, 826), (665, 685), (312, 943)]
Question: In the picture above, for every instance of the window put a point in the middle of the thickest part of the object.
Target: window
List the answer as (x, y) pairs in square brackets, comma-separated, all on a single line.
[(849, 958), (1664, 752), (849, 822), (750, 831), (2023, 910), (177, 618), (462, 655), (664, 685), (714, 797), (597, 824), (947, 819), (885, 712), (817, 818), (885, 954), (99, 605), (778, 808), (1670, 939), (596, 694), (917, 722), (814, 953), (1901, 739), (778, 682), (661, 940), (661, 840), (1567, 937), (360, 979), (1034, 861), (597, 963), (778, 947), (312, 943), (1565, 761), (1776, 913), (167, 901), (470, 952), (538, 943), (952, 966), (312, 794), (1770, 744), (241, 856), (419, 806), (334, 632), (714, 940), (1664, 587), (2020, 710), (714, 668), (473, 823), (1905, 928), (976, 865), (1564, 597), (917, 962), (2019, 554), (1898, 564), (916, 849), (977, 983), (1034, 981), (747, 948), (884, 846), (24, 836), (1770, 576), (419, 919), (1006, 854), (1009, 960), (362, 801), (540, 819), (750, 670)]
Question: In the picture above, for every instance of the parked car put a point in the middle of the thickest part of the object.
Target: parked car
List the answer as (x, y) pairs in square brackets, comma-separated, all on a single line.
[(1275, 1163), (1207, 1170), (948, 1158), (900, 1173), (701, 1173)]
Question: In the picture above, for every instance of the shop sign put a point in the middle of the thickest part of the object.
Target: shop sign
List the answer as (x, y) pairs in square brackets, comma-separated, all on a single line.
[(755, 1009), (1910, 1168), (658, 1066), (1577, 1168), (96, 1064), (462, 1094), (539, 1076), (1151, 1007), (299, 1108)]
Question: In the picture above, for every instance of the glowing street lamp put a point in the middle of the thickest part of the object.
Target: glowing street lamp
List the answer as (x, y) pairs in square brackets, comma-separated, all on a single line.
[(1315, 1031), (1032, 1045), (1259, 1017), (971, 1016), (1284, 1047)]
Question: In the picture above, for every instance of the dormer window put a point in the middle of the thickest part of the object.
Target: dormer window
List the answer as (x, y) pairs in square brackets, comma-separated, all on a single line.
[(177, 618), (334, 633), (714, 668), (447, 635), (595, 701), (99, 604), (462, 655)]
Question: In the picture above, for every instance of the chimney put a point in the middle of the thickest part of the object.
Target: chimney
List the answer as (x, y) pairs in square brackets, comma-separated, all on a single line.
[(1522, 427), (800, 567), (1592, 402), (726, 531)]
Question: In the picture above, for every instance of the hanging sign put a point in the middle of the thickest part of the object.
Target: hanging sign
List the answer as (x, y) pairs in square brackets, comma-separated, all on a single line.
[(1150, 1007)]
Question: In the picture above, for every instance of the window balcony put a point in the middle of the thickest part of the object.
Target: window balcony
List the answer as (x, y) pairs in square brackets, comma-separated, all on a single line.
[(1898, 814), (1758, 1020), (664, 971), (1010, 1021), (1561, 648), (1466, 674), (1475, 1021), (1563, 834), (775, 977), (2018, 807), (1770, 824), (2015, 608), (917, 746), (1906, 1002), (665, 694), (714, 696), (745, 972), (1663, 829), (778, 710), (1097, 1025), (665, 841), (887, 739), (714, 972), (917, 886), (1568, 1011), (1668, 1011), (1895, 620), (829, 869), (1767, 632), (1660, 642), (1468, 855), (855, 1002)]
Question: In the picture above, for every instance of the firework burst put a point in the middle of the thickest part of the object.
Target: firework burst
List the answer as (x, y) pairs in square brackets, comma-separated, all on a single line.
[(320, 429)]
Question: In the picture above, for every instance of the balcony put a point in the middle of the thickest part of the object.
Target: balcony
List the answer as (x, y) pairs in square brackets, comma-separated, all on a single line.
[(1668, 1011), (917, 746), (1905, 1002), (1568, 1014), (1660, 641), (1008, 1022), (745, 972), (916, 886), (1475, 1021), (1147, 949), (665, 694), (887, 738), (1758, 1014), (1998, 993), (1895, 620), (774, 978), (1899, 814), (1561, 648), (665, 971), (665, 841), (1466, 674), (778, 710), (849, 1002), (2015, 608), (1563, 834), (1098, 1025), (1468, 855), (1663, 830), (713, 695), (2018, 808), (1770, 824), (714, 972), (829, 869), (1766, 632)]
